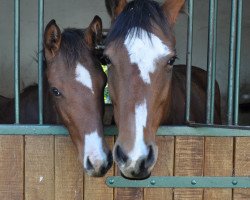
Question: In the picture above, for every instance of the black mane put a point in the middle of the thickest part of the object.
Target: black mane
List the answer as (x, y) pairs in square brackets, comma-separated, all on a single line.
[(73, 45), (138, 14)]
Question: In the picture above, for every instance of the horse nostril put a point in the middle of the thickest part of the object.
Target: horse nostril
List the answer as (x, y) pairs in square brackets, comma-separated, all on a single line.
[(143, 165), (89, 165), (120, 156), (151, 157), (103, 170)]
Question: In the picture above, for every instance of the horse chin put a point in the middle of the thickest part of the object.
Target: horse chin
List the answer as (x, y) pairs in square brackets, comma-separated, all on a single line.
[(93, 173), (98, 173), (102, 169), (134, 173), (140, 176)]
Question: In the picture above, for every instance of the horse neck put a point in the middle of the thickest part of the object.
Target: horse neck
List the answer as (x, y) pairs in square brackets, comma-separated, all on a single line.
[(168, 110)]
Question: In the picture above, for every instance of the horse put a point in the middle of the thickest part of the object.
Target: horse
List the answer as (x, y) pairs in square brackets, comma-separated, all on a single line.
[(145, 89), (73, 93)]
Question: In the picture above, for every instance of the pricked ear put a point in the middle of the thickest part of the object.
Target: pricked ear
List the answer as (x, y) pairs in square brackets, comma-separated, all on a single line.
[(172, 9), (115, 7), (52, 38), (93, 34)]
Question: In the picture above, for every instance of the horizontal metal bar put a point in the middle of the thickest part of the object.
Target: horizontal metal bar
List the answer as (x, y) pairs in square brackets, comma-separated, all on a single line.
[(32, 130), (180, 182), (202, 131), (199, 130)]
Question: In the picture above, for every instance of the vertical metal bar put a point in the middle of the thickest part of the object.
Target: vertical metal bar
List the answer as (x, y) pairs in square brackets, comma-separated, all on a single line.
[(40, 58), (232, 48), (210, 61), (214, 62), (17, 59), (189, 58), (237, 65)]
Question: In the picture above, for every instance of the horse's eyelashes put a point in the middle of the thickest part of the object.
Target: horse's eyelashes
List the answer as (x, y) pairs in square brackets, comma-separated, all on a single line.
[(55, 92)]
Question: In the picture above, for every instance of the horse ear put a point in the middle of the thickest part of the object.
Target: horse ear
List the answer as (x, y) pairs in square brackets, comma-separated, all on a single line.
[(52, 38), (172, 9), (115, 7), (93, 34)]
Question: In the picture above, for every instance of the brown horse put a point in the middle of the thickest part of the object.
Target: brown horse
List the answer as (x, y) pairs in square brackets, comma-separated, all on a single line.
[(73, 93), (146, 90)]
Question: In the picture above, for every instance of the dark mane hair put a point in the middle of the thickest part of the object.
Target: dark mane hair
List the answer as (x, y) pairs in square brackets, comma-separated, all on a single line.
[(138, 14), (73, 45)]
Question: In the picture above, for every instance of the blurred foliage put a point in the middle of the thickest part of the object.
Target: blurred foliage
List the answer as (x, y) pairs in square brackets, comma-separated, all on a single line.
[(106, 91)]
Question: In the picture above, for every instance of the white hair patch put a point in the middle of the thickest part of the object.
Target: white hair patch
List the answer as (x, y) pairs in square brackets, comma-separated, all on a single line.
[(83, 76), (144, 50), (93, 149), (140, 148)]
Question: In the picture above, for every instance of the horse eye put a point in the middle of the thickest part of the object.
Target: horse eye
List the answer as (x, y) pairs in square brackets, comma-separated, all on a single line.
[(55, 92), (172, 60)]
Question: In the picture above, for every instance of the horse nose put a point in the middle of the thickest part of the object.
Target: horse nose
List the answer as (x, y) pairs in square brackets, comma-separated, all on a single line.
[(135, 169), (99, 170), (89, 165)]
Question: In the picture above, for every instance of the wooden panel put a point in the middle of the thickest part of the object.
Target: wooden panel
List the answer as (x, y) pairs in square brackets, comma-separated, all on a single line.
[(95, 188), (11, 167), (39, 167), (68, 171), (218, 162), (242, 166), (128, 193), (163, 167), (188, 194), (189, 162)]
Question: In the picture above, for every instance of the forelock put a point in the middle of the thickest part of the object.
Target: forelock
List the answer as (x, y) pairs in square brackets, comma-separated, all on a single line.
[(138, 15)]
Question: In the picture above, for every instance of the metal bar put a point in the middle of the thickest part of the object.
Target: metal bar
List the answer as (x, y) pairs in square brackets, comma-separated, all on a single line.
[(237, 65), (210, 59), (213, 79), (202, 131), (232, 48), (40, 59), (189, 58), (180, 182), (217, 131), (17, 59), (32, 130)]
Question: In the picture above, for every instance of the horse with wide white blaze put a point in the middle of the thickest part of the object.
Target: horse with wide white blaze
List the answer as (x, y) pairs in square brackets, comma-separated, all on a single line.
[(146, 90)]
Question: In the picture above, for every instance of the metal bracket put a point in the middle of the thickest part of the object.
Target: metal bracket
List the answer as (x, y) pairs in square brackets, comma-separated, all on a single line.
[(180, 182)]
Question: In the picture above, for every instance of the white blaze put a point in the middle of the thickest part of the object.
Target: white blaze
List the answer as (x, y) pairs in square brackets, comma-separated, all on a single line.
[(83, 76), (144, 51), (93, 149), (140, 148)]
